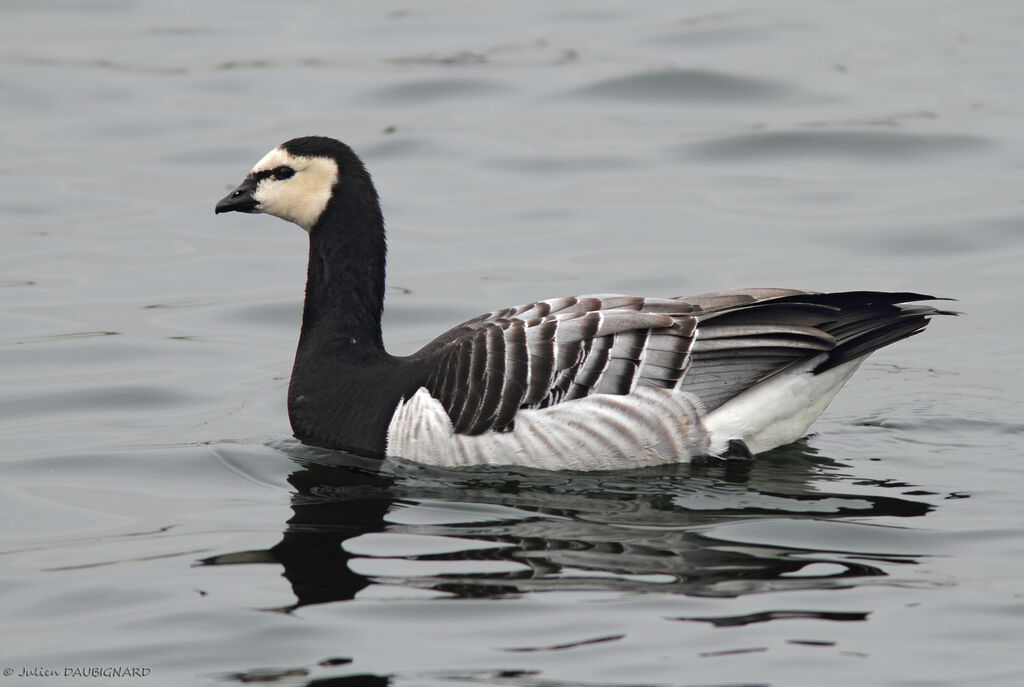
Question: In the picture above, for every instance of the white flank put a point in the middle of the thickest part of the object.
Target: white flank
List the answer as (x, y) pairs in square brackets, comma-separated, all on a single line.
[(649, 426), (600, 432), (779, 410), (301, 198)]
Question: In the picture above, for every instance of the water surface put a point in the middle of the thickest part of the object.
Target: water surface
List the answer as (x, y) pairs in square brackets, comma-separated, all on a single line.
[(157, 515)]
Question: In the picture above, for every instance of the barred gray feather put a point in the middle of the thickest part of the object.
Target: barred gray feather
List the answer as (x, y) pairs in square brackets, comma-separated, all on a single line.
[(712, 346)]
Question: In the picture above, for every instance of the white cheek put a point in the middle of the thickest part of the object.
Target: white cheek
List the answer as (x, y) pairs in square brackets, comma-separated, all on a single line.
[(286, 201), (264, 195), (302, 198)]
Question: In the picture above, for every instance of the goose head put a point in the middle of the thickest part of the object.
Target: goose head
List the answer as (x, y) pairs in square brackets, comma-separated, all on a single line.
[(298, 180)]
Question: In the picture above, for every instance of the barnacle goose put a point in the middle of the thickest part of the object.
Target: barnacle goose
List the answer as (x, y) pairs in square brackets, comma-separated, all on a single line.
[(586, 383)]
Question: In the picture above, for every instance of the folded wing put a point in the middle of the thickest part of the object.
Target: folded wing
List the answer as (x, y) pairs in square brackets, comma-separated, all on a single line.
[(713, 346)]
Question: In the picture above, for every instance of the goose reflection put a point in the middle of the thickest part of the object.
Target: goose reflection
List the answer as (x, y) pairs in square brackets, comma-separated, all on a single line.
[(396, 528)]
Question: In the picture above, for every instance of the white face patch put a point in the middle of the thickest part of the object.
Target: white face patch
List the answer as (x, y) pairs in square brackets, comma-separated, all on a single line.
[(300, 198)]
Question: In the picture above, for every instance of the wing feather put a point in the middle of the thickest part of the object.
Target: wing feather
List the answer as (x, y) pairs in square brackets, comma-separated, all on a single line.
[(517, 365), (712, 345), (592, 368), (540, 342)]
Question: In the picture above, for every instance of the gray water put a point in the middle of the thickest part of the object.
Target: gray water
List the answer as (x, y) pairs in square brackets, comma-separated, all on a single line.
[(156, 515)]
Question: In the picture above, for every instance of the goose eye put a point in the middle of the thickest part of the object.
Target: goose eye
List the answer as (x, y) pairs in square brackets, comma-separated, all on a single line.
[(283, 172)]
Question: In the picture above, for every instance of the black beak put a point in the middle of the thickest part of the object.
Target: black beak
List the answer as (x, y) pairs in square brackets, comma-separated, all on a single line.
[(239, 200)]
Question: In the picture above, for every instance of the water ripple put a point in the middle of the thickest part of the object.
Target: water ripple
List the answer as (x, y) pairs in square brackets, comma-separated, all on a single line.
[(765, 616), (495, 533), (422, 91), (689, 85), (889, 146)]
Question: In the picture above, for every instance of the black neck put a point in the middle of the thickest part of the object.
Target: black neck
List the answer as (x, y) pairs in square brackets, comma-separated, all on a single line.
[(345, 280), (344, 386)]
